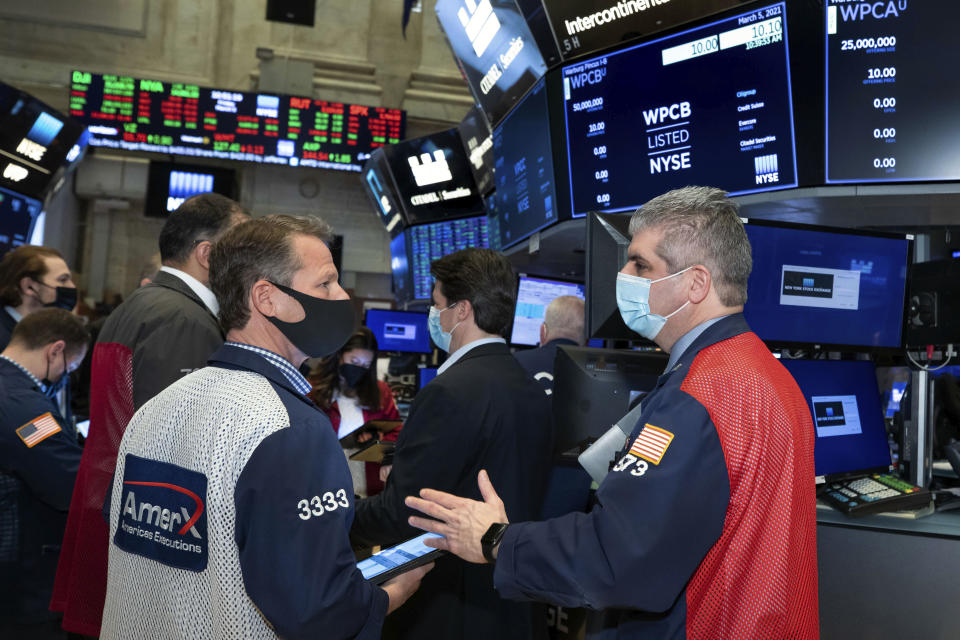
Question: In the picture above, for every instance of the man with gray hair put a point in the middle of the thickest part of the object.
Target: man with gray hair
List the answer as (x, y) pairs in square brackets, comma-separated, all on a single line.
[(562, 324), (706, 525), (232, 501)]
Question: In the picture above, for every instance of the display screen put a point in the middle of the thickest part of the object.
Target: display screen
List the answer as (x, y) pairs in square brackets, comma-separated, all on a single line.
[(35, 141), (17, 216), (495, 49), (478, 142), (526, 195), (397, 556), (186, 119), (171, 183), (379, 188), (417, 247), (426, 375), (433, 178), (713, 107), (823, 287), (399, 330), (533, 297), (844, 402), (583, 26), (891, 115)]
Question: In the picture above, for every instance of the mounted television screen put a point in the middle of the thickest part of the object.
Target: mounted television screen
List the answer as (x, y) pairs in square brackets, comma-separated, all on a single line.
[(534, 295), (608, 238), (890, 102), (185, 119), (495, 50), (171, 183), (35, 141), (379, 188), (526, 185), (18, 214), (403, 331), (714, 107), (433, 179), (814, 285), (413, 250), (478, 142)]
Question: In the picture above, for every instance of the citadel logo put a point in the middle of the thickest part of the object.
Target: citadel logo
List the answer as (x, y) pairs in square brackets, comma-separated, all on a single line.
[(427, 171), (481, 24)]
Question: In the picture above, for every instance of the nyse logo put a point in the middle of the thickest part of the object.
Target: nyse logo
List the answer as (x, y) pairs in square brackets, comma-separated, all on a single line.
[(766, 169), (427, 171), (31, 149), (481, 24), (15, 172)]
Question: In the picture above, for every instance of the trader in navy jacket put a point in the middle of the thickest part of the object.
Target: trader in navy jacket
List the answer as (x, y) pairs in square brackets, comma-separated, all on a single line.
[(232, 501), (562, 325)]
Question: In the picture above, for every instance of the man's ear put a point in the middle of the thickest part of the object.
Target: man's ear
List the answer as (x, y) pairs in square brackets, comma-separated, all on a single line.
[(701, 284), (55, 349), (261, 298), (543, 334), (202, 253), (463, 310)]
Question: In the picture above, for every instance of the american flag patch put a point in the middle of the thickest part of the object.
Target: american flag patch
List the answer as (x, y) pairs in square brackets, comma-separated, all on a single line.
[(652, 443), (38, 429)]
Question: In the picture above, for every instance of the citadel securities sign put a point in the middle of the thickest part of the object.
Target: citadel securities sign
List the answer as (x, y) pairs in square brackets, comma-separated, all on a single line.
[(582, 26)]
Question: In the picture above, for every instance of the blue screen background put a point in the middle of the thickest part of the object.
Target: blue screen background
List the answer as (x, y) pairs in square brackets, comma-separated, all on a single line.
[(378, 319), (882, 262)]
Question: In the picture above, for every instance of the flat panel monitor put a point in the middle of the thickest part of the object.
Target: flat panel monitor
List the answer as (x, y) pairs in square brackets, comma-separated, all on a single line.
[(18, 214), (417, 247), (534, 295), (821, 286), (594, 388), (495, 50), (179, 118), (934, 303), (35, 141), (169, 184), (378, 185), (608, 239), (433, 179), (478, 142), (523, 156), (844, 402), (714, 107), (891, 102), (582, 26), (403, 331)]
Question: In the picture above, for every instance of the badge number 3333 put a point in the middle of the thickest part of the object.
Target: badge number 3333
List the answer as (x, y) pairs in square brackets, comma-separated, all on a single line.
[(318, 505)]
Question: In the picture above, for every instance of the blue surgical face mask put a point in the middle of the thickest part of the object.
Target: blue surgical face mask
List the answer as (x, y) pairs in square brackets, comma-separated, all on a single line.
[(633, 299), (440, 337)]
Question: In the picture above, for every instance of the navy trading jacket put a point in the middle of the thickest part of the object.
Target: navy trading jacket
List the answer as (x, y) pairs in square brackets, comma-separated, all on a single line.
[(230, 513), (38, 465), (706, 525), (539, 362)]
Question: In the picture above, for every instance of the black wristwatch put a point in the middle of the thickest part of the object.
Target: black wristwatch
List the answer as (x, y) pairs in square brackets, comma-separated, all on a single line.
[(492, 538)]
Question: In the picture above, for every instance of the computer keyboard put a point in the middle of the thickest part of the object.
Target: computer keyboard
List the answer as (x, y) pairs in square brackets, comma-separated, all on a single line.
[(874, 494)]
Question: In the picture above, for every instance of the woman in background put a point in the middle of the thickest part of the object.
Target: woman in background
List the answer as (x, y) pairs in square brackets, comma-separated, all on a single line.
[(346, 388)]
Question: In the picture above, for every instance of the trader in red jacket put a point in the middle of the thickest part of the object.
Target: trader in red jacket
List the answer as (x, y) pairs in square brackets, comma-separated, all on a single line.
[(706, 525), (163, 331)]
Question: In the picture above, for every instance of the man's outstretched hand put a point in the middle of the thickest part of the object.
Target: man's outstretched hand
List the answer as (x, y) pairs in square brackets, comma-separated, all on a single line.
[(461, 521)]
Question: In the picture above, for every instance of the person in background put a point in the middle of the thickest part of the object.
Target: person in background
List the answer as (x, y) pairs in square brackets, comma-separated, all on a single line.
[(481, 411), (150, 269), (266, 552), (32, 278), (562, 324), (706, 525), (39, 458), (345, 387), (163, 331)]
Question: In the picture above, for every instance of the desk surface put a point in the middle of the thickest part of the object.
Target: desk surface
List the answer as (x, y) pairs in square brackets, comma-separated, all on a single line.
[(941, 525)]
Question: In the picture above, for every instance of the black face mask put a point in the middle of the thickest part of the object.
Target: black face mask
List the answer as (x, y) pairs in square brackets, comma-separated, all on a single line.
[(326, 327), (53, 387), (66, 297), (352, 374)]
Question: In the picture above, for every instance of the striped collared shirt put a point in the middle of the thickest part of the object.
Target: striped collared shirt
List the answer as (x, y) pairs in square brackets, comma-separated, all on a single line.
[(294, 377), (27, 373)]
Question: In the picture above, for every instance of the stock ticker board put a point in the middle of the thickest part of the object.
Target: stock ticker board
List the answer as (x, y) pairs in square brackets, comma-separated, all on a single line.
[(185, 119)]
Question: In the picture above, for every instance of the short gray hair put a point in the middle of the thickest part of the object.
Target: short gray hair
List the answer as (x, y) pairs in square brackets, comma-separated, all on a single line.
[(259, 249), (565, 317), (701, 225)]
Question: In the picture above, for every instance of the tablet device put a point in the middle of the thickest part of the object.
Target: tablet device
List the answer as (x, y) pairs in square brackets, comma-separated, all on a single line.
[(391, 562), (374, 451)]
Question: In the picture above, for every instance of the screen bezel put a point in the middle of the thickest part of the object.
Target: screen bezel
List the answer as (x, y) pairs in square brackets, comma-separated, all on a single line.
[(366, 316), (831, 346)]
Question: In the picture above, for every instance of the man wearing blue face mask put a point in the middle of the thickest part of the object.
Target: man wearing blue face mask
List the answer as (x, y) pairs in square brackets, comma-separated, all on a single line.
[(705, 527), (482, 411)]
